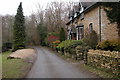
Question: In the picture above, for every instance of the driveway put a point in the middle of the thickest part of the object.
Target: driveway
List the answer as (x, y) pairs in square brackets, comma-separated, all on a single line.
[(49, 65)]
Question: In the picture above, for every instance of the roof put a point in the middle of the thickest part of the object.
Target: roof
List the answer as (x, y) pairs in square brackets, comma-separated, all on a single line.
[(87, 6), (77, 7), (91, 7)]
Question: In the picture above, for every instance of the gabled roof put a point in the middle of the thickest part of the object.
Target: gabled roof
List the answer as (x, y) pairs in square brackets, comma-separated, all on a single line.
[(87, 6)]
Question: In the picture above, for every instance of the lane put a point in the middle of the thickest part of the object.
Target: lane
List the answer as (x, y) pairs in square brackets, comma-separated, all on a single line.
[(49, 65)]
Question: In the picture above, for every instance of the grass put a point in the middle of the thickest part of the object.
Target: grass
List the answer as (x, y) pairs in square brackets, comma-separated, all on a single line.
[(14, 68), (100, 72)]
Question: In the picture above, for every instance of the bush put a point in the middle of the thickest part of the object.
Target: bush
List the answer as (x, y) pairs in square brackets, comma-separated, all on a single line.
[(6, 46), (68, 45), (112, 45), (53, 34), (63, 44), (55, 43), (91, 39), (62, 34)]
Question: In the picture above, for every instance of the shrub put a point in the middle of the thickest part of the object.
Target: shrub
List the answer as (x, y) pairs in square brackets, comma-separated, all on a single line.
[(68, 45), (52, 38), (62, 34), (55, 43), (53, 34), (112, 45), (91, 39), (6, 46)]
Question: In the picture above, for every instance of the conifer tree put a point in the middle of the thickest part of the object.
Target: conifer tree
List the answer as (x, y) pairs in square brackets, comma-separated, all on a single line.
[(62, 34), (19, 29), (42, 31)]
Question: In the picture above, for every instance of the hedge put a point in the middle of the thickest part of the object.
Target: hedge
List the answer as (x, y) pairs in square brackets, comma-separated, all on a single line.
[(68, 45)]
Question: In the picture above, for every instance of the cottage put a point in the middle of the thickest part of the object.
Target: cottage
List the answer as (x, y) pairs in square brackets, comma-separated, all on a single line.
[(88, 16)]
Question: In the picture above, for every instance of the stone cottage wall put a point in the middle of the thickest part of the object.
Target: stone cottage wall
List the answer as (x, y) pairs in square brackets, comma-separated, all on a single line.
[(108, 30), (91, 17)]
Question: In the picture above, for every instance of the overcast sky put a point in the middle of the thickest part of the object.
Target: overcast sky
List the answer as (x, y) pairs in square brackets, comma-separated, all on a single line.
[(10, 6)]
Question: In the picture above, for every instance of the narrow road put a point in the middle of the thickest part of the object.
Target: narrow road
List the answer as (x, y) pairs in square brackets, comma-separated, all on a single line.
[(49, 65)]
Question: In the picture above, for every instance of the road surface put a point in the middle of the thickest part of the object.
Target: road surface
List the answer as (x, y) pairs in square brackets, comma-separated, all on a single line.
[(49, 65)]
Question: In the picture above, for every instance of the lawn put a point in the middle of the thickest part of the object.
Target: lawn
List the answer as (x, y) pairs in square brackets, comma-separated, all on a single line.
[(14, 68)]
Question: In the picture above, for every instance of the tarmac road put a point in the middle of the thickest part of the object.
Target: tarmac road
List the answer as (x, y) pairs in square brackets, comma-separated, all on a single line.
[(49, 65)]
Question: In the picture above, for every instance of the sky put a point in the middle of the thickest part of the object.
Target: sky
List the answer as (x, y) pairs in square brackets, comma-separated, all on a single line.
[(29, 6)]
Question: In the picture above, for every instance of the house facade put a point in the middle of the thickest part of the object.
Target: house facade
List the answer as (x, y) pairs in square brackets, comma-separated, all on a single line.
[(88, 16)]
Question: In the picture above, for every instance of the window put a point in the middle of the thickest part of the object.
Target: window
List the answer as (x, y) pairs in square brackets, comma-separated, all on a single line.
[(80, 32), (91, 27)]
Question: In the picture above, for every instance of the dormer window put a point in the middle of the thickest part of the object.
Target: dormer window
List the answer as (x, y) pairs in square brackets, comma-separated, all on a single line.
[(81, 7), (75, 15), (82, 16), (70, 18)]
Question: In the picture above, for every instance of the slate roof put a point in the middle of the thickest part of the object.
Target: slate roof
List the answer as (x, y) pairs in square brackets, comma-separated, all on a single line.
[(87, 4)]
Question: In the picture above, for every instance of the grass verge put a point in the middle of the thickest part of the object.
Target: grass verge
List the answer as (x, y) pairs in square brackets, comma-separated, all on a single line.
[(14, 68), (100, 72)]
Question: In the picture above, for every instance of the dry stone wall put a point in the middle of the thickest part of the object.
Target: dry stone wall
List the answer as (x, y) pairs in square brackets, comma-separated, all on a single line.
[(106, 60)]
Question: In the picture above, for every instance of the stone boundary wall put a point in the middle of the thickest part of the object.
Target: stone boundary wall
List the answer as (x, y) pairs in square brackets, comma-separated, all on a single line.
[(105, 60)]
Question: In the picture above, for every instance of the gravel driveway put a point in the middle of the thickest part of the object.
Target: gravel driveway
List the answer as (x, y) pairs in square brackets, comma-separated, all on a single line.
[(49, 65)]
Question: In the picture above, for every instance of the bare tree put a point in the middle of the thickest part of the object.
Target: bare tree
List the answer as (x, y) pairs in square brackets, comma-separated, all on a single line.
[(56, 15), (31, 30), (7, 27)]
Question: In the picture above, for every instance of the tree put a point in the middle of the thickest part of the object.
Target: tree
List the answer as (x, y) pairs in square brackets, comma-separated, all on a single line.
[(91, 39), (62, 34), (113, 13), (32, 37), (42, 31), (19, 29), (7, 27)]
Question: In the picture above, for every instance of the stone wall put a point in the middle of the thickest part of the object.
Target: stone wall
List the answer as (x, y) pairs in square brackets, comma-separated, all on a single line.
[(106, 60), (109, 30)]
